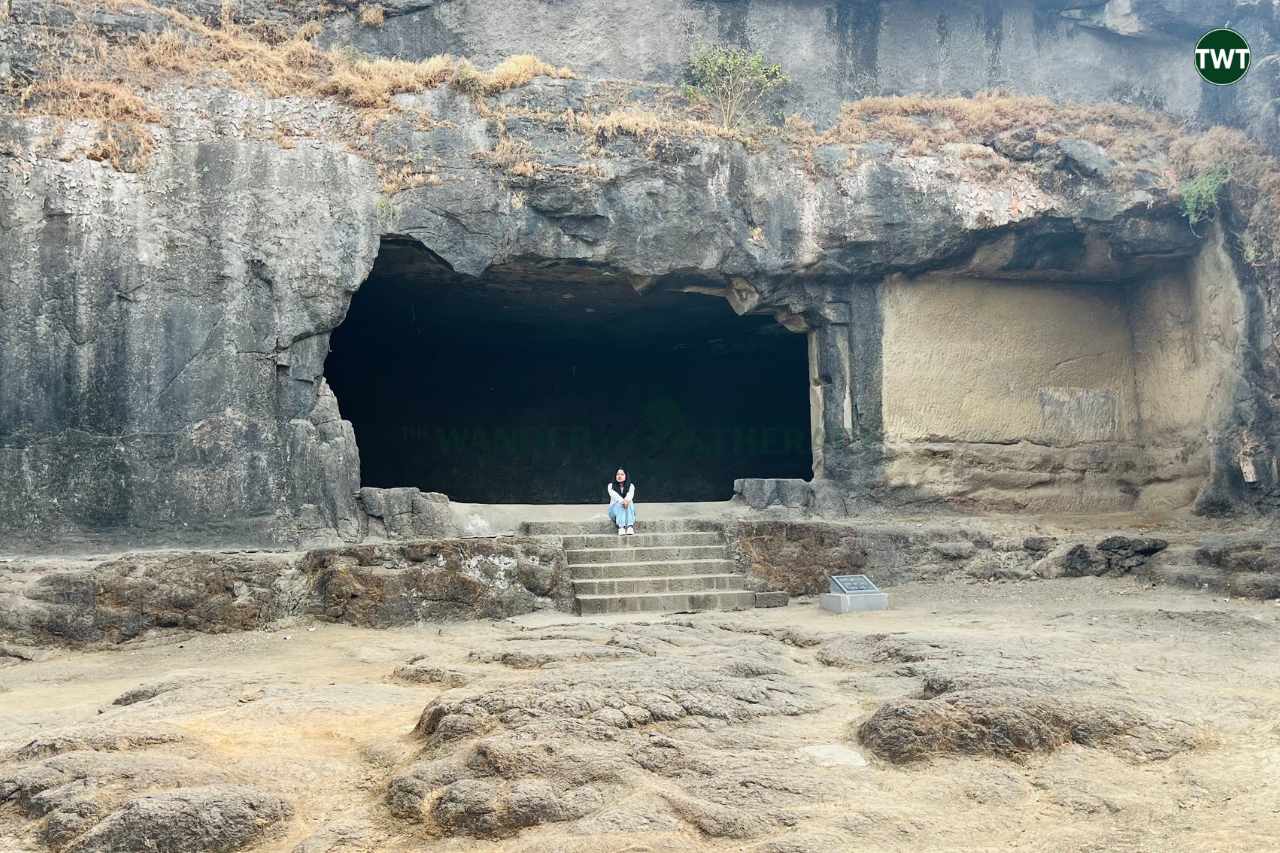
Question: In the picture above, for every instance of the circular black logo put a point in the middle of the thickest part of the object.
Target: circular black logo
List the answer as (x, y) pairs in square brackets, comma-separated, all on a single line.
[(1222, 56)]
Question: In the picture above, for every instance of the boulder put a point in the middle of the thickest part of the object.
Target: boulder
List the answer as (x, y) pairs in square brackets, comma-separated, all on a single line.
[(1000, 566), (1017, 144), (1068, 560), (423, 673), (1007, 723), (1039, 544), (1086, 157), (955, 550), (407, 513), (219, 818)]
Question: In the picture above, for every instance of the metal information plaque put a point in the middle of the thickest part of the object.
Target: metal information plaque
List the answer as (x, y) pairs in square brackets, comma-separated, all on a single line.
[(848, 584), (851, 593)]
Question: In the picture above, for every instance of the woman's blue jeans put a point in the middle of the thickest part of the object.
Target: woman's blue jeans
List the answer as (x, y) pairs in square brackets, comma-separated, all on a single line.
[(623, 516)]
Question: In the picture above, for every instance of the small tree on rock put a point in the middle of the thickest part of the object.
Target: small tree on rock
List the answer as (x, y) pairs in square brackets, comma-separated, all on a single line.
[(732, 80)]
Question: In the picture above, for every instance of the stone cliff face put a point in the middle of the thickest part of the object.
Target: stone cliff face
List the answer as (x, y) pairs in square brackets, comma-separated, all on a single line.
[(163, 332), (1130, 50), (837, 51), (161, 359)]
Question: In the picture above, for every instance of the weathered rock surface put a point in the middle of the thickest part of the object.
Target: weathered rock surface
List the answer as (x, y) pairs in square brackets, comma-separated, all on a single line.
[(798, 557), (1113, 556), (1118, 49), (850, 651), (571, 743), (1001, 566), (1007, 723), (144, 692), (121, 598), (195, 407), (978, 699), (534, 758), (162, 359), (418, 672), (556, 648), (187, 820), (111, 801), (380, 585), (96, 738), (1135, 50), (1245, 565), (446, 579), (406, 513), (374, 585)]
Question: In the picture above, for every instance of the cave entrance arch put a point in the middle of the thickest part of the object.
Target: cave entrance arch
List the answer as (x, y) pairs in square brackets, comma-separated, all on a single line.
[(534, 382)]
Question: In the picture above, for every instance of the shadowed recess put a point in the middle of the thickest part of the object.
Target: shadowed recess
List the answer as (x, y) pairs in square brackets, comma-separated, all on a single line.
[(534, 383)]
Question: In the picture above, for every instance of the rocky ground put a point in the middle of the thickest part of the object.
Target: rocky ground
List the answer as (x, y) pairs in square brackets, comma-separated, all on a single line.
[(1066, 714)]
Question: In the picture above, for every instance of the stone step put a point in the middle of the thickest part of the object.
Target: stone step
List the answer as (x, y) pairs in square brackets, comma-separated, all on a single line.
[(604, 525), (671, 583), (643, 554), (669, 602), (642, 540), (652, 569)]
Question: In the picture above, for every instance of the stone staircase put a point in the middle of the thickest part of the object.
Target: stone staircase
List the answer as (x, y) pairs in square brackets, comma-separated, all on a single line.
[(667, 565)]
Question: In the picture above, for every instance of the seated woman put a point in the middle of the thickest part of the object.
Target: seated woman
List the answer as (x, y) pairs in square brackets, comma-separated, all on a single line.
[(622, 502)]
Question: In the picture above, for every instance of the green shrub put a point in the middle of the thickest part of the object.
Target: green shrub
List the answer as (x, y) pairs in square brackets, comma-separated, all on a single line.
[(1200, 194), (732, 80)]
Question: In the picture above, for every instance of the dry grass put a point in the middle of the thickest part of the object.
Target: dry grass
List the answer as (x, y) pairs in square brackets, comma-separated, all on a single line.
[(85, 99), (88, 76), (798, 128), (406, 178), (511, 73), (232, 54), (516, 71), (260, 57), (644, 124), (105, 81), (517, 157), (637, 123), (283, 137), (127, 147), (372, 82), (123, 139), (916, 125), (925, 123), (507, 154), (525, 169)]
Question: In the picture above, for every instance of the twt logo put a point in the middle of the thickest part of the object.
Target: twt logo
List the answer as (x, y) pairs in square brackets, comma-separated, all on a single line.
[(1222, 56)]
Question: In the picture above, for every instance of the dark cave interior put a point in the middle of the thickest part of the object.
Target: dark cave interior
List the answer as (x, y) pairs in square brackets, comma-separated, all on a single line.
[(532, 384)]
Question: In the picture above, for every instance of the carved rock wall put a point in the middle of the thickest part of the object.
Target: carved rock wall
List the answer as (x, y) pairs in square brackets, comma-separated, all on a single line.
[(163, 334)]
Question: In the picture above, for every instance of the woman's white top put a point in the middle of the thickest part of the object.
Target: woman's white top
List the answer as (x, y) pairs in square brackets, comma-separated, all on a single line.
[(615, 498)]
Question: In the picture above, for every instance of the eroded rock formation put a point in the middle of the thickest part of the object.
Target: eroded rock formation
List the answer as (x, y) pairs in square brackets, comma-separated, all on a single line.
[(787, 729), (120, 599), (1013, 321)]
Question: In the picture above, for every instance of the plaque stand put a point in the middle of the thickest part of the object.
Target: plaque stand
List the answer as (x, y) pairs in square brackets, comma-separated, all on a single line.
[(849, 593)]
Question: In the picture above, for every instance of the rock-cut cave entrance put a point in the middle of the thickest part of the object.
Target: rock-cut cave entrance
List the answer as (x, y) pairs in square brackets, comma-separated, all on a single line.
[(533, 383)]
